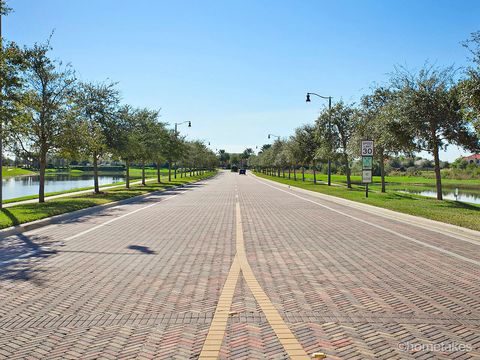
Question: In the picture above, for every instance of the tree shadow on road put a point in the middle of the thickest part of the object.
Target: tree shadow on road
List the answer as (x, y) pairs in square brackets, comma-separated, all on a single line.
[(19, 254)]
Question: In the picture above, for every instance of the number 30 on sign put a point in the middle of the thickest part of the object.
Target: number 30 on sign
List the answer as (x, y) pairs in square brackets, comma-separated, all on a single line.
[(367, 147)]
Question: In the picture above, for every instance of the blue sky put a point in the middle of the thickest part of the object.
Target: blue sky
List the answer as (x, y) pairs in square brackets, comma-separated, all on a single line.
[(240, 69)]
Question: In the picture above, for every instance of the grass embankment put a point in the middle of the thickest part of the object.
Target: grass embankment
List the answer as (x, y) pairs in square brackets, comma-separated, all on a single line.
[(135, 175), (20, 214), (452, 212), (9, 171), (134, 172), (397, 182)]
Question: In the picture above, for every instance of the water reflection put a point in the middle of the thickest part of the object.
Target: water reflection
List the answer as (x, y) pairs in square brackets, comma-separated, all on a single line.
[(463, 196), (28, 185)]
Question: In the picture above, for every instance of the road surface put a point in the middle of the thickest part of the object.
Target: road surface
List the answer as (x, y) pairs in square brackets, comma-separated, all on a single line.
[(237, 267)]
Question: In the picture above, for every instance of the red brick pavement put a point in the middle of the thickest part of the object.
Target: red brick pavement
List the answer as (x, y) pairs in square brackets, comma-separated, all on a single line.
[(146, 286), (354, 291)]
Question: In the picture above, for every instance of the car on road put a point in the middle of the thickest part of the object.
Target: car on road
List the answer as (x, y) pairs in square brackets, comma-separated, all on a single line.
[(242, 172)]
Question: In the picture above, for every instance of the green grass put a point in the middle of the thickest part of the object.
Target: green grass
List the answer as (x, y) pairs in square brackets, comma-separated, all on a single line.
[(20, 214), (452, 212), (135, 175), (396, 181), (35, 196), (9, 171)]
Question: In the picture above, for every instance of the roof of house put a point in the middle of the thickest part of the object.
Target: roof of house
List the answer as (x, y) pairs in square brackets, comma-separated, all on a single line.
[(472, 157)]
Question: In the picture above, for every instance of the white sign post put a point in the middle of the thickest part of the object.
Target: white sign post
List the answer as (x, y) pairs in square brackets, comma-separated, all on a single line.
[(367, 160)]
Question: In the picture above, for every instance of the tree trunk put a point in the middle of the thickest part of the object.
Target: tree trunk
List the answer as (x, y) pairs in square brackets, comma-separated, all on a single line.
[(382, 169), (143, 173), (314, 175), (169, 171), (278, 172), (438, 175), (95, 174), (347, 171), (41, 186), (127, 175), (175, 171), (191, 174), (303, 173), (159, 176), (283, 171), (181, 173), (289, 172), (295, 172)]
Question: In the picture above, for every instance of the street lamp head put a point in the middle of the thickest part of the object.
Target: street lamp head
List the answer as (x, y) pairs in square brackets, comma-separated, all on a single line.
[(308, 97), (269, 136), (189, 124), (209, 143)]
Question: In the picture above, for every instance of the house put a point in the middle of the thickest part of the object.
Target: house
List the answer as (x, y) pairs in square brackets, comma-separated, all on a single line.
[(473, 159)]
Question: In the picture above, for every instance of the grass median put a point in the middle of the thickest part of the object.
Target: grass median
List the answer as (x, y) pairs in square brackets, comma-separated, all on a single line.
[(24, 213), (451, 212), (9, 171)]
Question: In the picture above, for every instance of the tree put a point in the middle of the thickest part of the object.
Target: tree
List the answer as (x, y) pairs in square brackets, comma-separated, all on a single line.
[(223, 157), (337, 141), (12, 64), (305, 143), (234, 159), (158, 138), (246, 155), (380, 124), (470, 87), (173, 150), (429, 109), (48, 90), (96, 107), (123, 141), (147, 136), (278, 158)]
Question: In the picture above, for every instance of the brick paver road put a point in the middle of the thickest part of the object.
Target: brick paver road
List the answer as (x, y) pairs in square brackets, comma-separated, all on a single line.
[(143, 280)]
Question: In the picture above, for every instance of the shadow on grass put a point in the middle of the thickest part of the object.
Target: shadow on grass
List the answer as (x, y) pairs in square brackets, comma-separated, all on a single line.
[(11, 216)]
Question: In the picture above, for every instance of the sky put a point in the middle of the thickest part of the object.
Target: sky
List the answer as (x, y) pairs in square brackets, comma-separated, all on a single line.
[(239, 69)]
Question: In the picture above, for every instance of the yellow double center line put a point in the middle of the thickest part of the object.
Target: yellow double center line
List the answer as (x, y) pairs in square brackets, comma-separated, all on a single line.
[(216, 333)]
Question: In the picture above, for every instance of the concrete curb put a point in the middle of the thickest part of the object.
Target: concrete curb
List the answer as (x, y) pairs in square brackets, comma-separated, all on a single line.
[(428, 224), (56, 219)]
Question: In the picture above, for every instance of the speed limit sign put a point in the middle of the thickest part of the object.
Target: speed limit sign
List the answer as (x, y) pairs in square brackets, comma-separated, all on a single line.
[(367, 147)]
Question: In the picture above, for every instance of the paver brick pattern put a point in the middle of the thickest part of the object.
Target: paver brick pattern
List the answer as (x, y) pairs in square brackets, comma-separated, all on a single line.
[(365, 291), (146, 286)]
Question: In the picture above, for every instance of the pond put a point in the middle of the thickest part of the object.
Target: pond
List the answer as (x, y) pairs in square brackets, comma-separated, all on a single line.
[(463, 195), (19, 186)]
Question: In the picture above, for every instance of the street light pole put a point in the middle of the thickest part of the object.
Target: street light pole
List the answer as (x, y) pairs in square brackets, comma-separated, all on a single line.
[(329, 129), (270, 135)]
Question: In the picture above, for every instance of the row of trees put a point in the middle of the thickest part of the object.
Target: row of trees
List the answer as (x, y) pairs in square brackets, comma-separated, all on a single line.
[(45, 109), (416, 111)]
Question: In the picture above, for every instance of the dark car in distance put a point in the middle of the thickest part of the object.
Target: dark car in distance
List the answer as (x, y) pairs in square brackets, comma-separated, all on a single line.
[(242, 172)]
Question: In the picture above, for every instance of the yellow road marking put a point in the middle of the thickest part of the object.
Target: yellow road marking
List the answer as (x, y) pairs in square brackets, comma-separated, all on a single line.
[(216, 333), (284, 335)]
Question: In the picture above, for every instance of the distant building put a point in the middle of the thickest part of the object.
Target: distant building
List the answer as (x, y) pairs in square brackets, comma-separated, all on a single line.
[(473, 159)]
